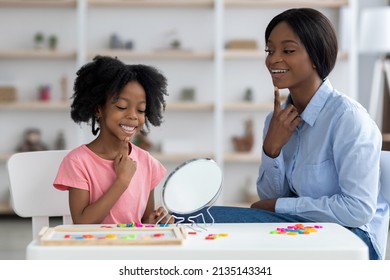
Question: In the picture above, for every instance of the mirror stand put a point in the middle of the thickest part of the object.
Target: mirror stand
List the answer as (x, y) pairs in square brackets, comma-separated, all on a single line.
[(192, 223)]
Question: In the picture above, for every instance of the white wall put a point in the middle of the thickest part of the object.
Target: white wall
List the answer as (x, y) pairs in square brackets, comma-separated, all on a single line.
[(366, 61)]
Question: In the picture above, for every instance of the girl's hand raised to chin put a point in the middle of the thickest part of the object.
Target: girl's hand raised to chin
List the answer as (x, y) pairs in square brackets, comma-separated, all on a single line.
[(282, 126), (125, 166)]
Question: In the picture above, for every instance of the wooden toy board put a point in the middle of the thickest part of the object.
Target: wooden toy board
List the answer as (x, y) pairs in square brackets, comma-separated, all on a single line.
[(92, 236)]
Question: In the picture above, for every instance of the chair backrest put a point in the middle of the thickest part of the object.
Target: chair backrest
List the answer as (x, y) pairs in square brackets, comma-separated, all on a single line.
[(385, 175), (31, 176)]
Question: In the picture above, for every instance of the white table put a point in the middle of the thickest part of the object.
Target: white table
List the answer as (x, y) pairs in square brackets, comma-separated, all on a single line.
[(244, 241)]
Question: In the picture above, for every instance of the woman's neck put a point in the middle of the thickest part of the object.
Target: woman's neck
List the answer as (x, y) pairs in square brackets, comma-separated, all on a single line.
[(302, 95)]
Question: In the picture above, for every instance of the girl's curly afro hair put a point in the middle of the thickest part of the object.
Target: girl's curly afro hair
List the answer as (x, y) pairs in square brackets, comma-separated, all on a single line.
[(105, 77)]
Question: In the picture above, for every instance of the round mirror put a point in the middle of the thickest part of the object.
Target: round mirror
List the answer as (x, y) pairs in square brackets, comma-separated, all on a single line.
[(191, 186)]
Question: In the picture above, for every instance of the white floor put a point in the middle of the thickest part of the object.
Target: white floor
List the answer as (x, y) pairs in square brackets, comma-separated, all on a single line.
[(15, 234)]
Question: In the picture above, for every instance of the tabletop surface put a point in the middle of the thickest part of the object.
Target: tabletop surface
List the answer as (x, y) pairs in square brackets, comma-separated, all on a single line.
[(227, 241)]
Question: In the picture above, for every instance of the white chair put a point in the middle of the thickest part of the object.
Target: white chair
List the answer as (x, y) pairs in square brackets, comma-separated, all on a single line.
[(385, 175), (31, 176)]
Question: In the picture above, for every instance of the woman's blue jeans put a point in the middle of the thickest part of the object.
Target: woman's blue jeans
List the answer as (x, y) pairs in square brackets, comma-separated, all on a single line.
[(227, 214)]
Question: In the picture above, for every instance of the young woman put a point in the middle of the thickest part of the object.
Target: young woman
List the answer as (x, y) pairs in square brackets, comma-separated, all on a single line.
[(321, 150), (110, 180)]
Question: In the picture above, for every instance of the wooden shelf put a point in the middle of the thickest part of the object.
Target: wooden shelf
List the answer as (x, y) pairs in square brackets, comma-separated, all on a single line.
[(386, 137), (152, 3), (249, 106), (244, 54), (158, 54), (176, 3), (231, 54), (242, 157), (5, 208), (286, 3), (37, 54), (39, 3), (189, 106), (36, 106), (180, 157), (4, 157)]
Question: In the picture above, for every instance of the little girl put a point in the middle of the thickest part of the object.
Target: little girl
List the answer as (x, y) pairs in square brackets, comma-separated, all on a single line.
[(110, 180)]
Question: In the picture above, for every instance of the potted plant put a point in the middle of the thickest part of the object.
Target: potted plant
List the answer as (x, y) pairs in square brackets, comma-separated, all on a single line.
[(39, 40)]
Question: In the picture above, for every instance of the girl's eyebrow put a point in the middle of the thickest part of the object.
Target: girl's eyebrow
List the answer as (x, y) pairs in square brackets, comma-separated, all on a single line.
[(127, 100)]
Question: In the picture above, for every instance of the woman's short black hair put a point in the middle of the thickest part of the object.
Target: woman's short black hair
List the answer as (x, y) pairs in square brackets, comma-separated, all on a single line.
[(105, 77), (316, 33)]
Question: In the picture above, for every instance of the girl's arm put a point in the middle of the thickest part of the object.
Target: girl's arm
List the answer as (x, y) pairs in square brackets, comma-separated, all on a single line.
[(85, 213)]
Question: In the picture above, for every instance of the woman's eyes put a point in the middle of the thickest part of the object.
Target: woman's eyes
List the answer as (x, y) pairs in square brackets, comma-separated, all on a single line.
[(287, 51), (120, 108)]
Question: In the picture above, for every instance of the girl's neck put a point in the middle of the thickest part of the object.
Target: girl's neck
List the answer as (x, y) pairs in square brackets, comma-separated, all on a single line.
[(106, 149)]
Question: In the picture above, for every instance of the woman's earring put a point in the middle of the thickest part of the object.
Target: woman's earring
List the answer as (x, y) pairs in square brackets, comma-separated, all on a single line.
[(95, 129)]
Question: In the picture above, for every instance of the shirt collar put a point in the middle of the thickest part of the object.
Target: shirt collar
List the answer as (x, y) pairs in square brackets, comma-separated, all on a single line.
[(317, 102)]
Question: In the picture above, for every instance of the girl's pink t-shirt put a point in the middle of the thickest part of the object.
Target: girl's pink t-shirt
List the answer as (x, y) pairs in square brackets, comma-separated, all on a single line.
[(83, 169)]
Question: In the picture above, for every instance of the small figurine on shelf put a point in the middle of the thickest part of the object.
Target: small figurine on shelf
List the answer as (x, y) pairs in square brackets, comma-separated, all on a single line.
[(245, 142), (248, 96), (32, 141), (53, 42), (115, 41), (64, 88), (44, 93), (129, 45), (60, 141)]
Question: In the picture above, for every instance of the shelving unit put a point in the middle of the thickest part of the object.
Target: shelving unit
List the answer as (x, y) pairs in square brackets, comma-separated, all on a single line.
[(219, 76)]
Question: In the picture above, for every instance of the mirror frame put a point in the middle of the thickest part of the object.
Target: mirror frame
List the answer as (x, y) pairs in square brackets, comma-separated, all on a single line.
[(208, 203)]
